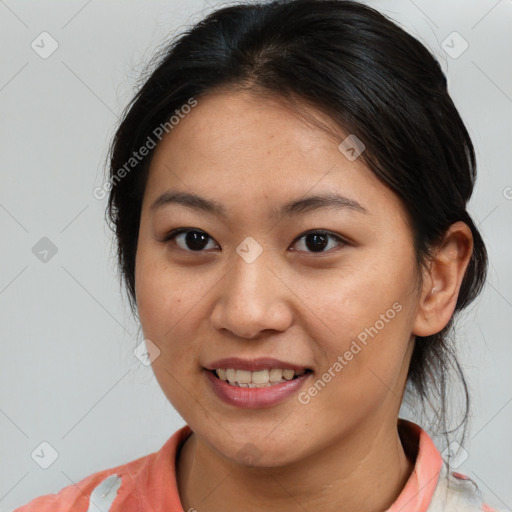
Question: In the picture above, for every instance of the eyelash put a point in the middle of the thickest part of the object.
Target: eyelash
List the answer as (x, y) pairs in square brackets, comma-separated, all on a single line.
[(175, 232)]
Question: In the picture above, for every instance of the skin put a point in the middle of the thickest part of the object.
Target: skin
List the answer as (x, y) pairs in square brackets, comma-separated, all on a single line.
[(342, 450)]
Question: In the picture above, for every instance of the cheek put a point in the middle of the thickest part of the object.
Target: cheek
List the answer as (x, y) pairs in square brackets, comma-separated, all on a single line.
[(361, 297), (163, 299), (165, 306), (369, 310)]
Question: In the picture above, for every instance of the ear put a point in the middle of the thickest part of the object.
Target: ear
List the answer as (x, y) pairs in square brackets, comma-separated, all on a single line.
[(442, 280)]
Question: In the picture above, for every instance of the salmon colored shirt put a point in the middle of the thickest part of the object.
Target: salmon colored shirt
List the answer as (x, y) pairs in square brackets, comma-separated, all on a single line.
[(149, 484)]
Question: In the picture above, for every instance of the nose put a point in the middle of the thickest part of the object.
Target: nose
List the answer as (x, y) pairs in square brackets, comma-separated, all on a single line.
[(252, 299)]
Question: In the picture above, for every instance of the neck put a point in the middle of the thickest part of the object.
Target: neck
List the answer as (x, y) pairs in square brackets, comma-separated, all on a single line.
[(365, 471)]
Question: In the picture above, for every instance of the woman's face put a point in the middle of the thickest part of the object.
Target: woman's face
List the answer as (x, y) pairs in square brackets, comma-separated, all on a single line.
[(256, 285)]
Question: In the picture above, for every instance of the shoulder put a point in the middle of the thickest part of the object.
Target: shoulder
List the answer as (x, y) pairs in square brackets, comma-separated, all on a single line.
[(99, 489), (431, 488), (456, 491), (141, 484), (138, 485)]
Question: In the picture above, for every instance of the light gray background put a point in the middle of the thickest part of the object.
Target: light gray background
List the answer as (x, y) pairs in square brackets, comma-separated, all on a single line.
[(68, 374)]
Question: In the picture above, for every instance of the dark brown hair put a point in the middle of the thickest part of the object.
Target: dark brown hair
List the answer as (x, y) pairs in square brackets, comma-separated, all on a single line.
[(370, 76)]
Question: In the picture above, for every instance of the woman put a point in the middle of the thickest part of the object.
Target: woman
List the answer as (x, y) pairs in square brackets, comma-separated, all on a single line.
[(288, 191)]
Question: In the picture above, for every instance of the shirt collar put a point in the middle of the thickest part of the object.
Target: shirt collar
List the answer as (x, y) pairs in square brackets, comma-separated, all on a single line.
[(416, 495), (419, 489)]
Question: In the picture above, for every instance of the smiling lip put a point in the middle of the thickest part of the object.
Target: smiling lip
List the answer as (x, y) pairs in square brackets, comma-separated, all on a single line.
[(254, 398), (253, 365)]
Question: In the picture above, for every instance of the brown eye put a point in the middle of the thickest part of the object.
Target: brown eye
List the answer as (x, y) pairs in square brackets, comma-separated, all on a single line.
[(195, 240), (192, 240), (318, 241)]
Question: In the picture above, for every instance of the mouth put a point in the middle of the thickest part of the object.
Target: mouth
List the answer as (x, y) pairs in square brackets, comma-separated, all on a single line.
[(255, 384), (257, 379)]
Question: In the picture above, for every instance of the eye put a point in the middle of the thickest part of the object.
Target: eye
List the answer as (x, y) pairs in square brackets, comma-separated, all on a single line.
[(317, 241), (189, 239), (195, 240)]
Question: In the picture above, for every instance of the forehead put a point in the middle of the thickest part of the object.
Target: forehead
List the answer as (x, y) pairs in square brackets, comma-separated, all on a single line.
[(237, 122), (242, 148)]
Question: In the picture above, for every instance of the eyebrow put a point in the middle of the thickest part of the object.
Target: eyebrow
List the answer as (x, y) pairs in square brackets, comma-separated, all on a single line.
[(327, 200)]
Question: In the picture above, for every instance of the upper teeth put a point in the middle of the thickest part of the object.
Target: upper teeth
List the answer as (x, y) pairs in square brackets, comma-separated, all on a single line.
[(246, 378)]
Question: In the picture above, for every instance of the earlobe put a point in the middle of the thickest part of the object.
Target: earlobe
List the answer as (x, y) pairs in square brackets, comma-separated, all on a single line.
[(442, 280)]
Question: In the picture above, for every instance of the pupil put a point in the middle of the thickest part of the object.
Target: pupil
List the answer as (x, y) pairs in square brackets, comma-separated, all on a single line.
[(319, 242), (196, 240)]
